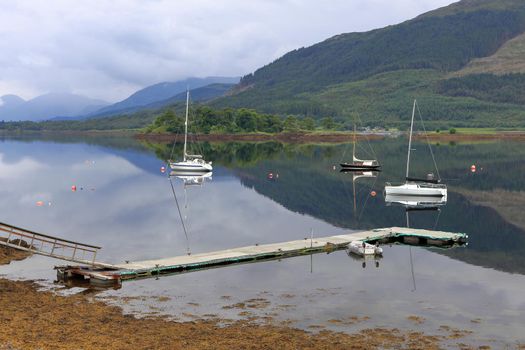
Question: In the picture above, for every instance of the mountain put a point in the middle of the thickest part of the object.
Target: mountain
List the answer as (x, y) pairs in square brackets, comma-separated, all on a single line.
[(160, 92), (10, 101), (464, 62), (140, 116), (9, 104), (200, 94), (46, 106)]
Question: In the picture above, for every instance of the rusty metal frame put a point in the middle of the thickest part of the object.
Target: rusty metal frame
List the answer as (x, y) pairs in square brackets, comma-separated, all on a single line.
[(34, 239)]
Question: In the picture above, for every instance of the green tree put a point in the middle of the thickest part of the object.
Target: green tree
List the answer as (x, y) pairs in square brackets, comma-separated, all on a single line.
[(328, 123), (291, 123), (169, 122), (308, 123), (246, 120)]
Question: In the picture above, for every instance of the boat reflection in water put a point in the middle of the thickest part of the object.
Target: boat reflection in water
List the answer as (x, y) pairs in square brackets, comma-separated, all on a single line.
[(372, 258), (411, 204), (376, 254), (358, 174), (192, 178), (189, 178), (416, 202)]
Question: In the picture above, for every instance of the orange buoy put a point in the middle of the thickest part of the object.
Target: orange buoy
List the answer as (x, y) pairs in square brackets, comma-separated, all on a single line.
[(73, 188), (373, 193)]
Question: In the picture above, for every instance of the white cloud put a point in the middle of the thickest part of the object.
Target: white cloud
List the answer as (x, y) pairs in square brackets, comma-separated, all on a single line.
[(109, 49)]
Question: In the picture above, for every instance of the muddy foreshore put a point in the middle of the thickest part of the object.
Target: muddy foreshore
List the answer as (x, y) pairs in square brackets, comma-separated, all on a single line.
[(34, 319), (329, 137), (335, 137), (281, 137)]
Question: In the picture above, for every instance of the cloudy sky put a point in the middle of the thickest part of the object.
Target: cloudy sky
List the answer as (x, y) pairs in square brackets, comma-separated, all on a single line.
[(109, 49)]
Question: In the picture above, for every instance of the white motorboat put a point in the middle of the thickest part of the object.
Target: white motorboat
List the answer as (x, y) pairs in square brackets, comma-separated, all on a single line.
[(362, 249), (190, 162), (428, 187)]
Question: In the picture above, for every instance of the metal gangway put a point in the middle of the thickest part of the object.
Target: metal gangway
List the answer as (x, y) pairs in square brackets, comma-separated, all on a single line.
[(38, 243)]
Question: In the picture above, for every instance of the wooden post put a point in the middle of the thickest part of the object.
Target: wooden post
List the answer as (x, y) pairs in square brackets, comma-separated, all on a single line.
[(94, 257), (74, 252), (53, 249)]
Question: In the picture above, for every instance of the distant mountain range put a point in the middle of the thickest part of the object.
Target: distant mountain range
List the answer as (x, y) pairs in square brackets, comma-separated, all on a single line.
[(161, 94), (465, 63), (47, 106), (69, 106)]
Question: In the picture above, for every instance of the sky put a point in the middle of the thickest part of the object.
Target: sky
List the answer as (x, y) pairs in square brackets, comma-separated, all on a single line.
[(110, 49)]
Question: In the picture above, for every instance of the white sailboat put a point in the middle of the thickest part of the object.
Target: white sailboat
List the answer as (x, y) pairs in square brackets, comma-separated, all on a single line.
[(429, 187), (190, 162), (359, 164)]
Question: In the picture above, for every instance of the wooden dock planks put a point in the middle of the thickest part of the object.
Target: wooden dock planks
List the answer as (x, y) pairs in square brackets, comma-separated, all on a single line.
[(106, 275), (276, 250), (101, 273)]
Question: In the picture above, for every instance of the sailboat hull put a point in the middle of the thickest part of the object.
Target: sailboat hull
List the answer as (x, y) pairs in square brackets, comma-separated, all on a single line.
[(359, 166), (191, 167), (417, 189)]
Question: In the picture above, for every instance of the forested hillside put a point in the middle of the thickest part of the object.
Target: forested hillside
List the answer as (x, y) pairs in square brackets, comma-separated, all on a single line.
[(465, 63), (378, 73)]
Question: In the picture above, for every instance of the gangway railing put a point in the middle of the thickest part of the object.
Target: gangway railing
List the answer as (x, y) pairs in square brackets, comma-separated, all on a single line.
[(38, 243)]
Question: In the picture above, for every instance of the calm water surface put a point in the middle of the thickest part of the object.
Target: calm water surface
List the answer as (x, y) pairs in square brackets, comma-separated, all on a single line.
[(125, 204)]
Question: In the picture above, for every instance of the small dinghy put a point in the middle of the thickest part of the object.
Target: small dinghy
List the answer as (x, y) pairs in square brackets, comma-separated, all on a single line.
[(362, 249)]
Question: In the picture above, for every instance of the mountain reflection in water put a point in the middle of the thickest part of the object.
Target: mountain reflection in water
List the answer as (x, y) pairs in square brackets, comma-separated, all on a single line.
[(132, 215)]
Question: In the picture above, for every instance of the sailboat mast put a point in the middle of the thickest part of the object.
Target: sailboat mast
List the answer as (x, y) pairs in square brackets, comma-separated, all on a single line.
[(410, 138), (353, 152), (355, 200), (186, 123)]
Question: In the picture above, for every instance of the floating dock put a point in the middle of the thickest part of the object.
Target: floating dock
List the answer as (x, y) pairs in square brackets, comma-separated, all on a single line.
[(105, 275), (93, 273)]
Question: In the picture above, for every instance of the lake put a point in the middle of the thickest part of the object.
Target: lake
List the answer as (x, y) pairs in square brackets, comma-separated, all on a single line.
[(124, 203)]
